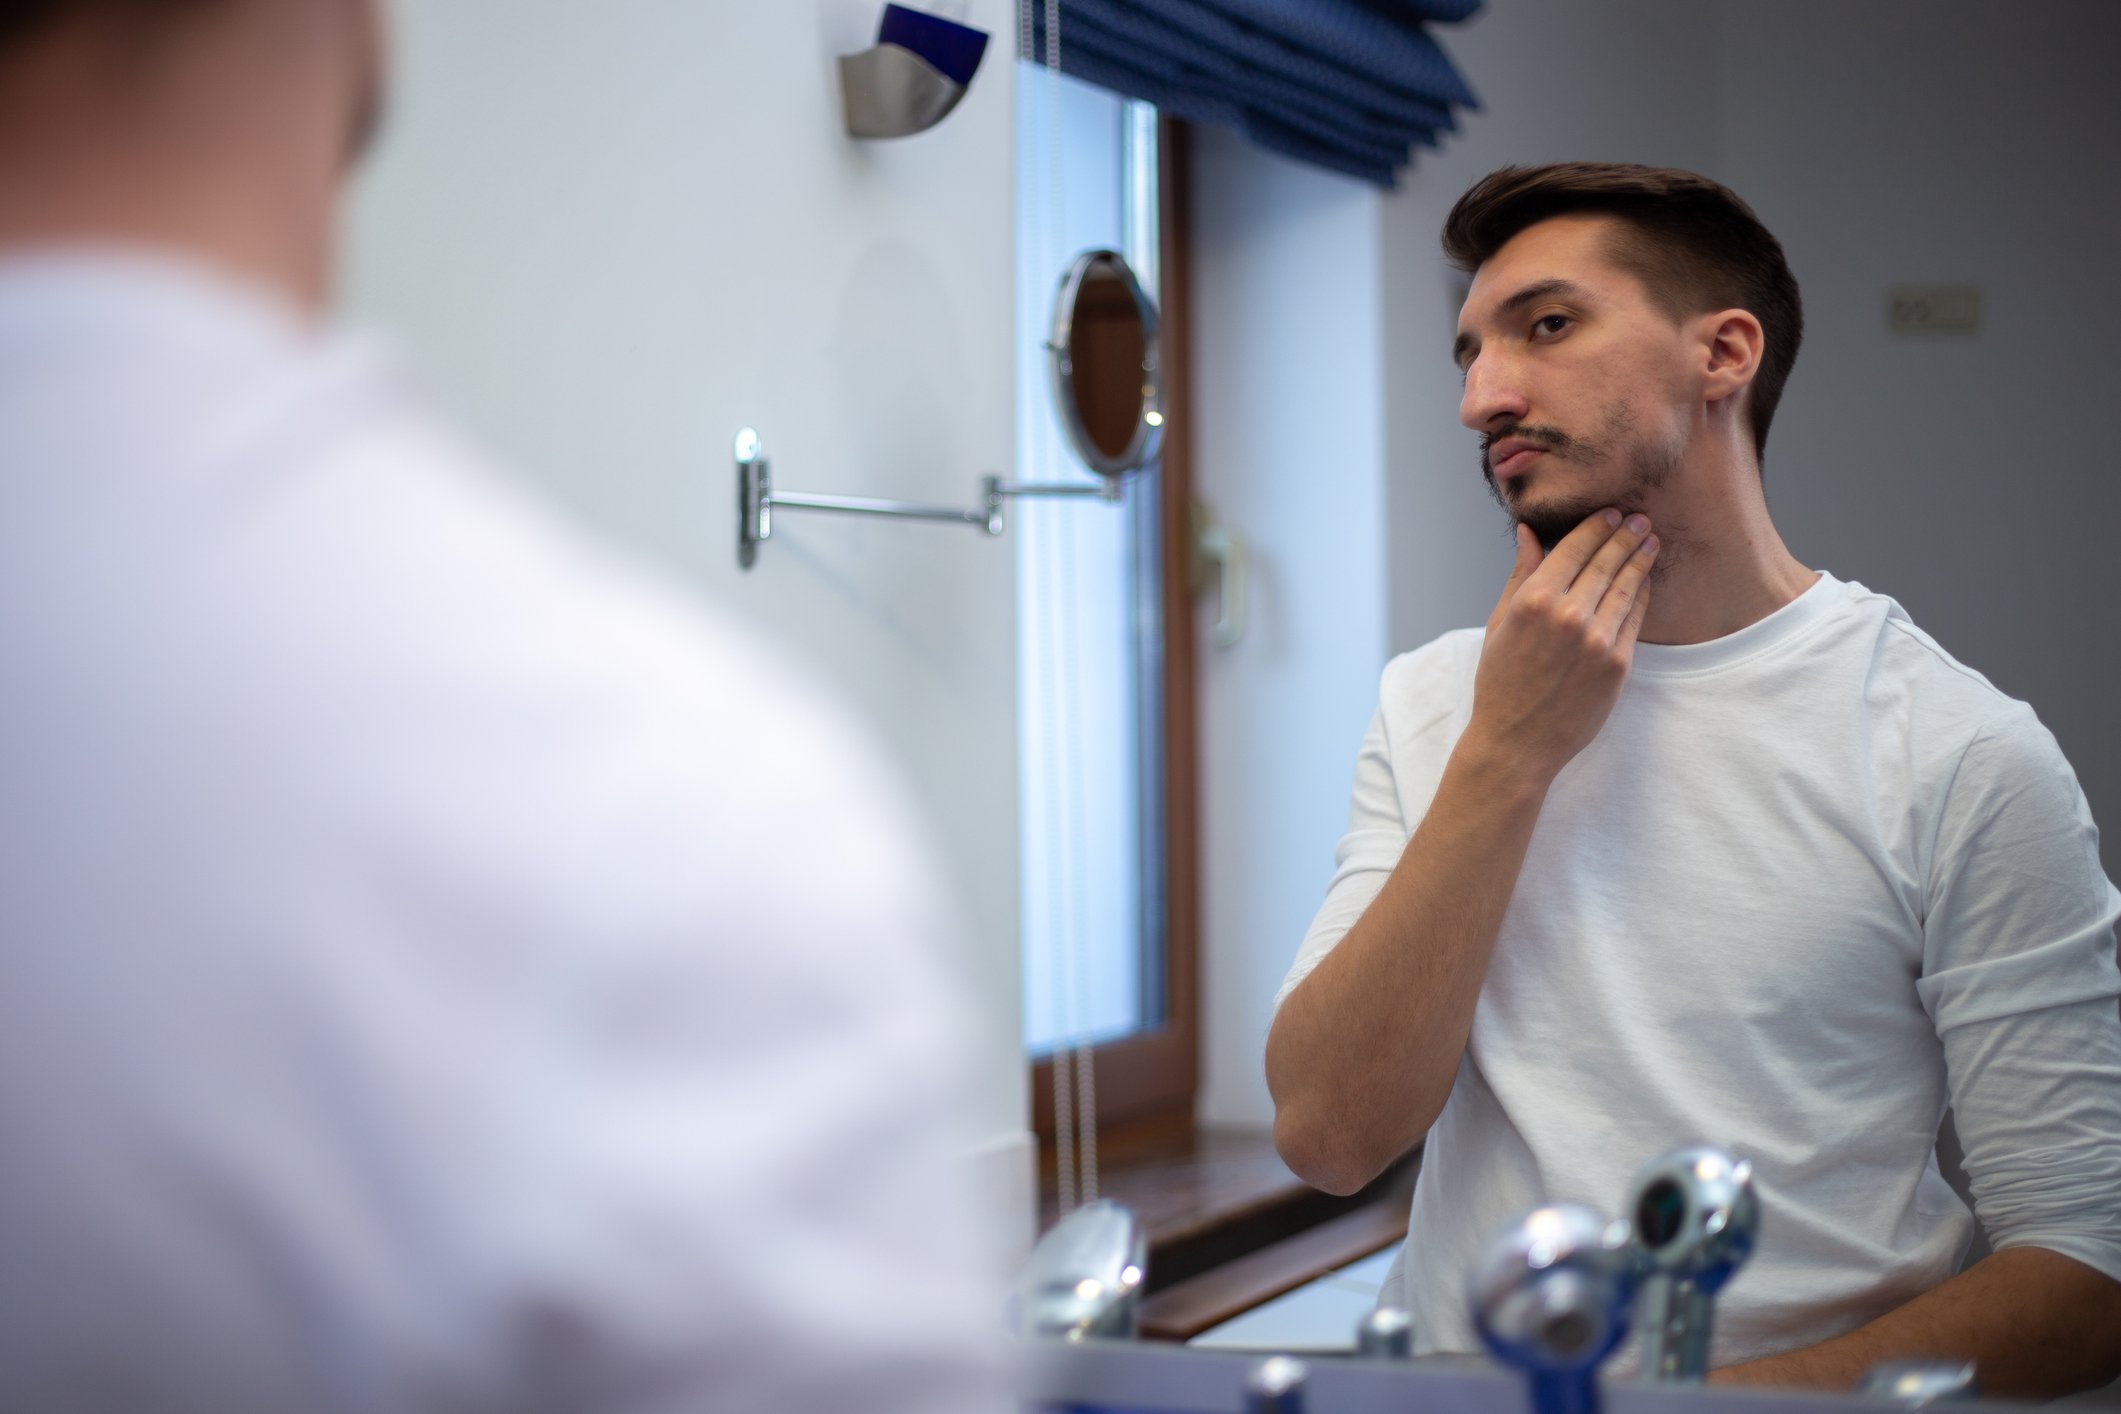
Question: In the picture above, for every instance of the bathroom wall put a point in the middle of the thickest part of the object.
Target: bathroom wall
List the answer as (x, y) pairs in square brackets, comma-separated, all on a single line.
[(1289, 452), (610, 235), (1918, 141)]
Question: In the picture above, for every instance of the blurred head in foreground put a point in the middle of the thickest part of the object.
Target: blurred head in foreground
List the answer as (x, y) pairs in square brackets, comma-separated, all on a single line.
[(221, 127), (446, 967)]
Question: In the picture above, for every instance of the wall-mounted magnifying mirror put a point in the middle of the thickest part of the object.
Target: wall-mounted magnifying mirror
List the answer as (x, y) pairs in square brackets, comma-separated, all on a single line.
[(1107, 385)]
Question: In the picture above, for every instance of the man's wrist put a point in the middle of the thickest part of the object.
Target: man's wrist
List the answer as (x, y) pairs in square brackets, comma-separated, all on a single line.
[(1491, 769)]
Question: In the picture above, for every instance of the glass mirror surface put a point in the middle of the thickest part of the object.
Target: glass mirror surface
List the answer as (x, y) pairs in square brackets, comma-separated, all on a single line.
[(1106, 389)]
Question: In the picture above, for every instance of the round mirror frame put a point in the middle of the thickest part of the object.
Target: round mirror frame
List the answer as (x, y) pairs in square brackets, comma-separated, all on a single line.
[(1148, 437)]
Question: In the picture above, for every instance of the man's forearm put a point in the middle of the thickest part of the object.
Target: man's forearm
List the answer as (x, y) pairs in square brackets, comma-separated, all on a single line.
[(1362, 1054), (2038, 1325)]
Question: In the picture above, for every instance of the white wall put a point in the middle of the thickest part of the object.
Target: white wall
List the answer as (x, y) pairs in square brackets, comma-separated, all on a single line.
[(1289, 451), (610, 235), (1905, 141)]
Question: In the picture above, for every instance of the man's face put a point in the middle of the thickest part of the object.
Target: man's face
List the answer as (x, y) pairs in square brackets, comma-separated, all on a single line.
[(1576, 381)]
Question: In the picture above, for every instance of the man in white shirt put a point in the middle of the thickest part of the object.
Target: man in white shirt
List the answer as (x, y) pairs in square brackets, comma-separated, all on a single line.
[(1693, 843), (444, 969)]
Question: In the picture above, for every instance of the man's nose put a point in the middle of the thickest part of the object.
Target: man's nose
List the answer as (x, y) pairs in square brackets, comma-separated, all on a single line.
[(1493, 396)]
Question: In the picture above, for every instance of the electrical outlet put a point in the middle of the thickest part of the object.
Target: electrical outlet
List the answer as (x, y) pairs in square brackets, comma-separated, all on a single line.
[(1933, 309)]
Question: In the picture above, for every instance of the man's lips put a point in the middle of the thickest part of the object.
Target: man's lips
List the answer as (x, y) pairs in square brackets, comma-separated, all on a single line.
[(1510, 458)]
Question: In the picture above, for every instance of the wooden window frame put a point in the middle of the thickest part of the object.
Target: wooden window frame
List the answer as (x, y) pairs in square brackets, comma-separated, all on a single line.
[(1149, 1079)]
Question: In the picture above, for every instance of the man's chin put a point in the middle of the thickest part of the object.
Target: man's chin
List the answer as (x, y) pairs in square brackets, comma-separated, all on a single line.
[(1551, 521)]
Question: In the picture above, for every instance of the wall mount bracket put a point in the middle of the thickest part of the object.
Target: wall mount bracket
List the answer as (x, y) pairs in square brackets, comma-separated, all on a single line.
[(757, 500)]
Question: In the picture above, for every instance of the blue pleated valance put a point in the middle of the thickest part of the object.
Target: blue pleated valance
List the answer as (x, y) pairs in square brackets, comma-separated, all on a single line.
[(1353, 85)]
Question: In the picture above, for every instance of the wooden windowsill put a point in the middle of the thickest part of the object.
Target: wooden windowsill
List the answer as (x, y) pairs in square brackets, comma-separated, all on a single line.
[(1229, 1226), (1183, 1311)]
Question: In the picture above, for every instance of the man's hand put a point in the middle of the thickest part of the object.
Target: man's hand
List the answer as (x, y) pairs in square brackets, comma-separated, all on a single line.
[(1362, 1055), (1561, 640), (2036, 1324)]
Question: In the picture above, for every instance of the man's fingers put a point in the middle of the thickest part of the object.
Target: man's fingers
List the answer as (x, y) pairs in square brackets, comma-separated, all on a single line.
[(1528, 557), (1566, 561), (1629, 588), (1606, 564), (1621, 612)]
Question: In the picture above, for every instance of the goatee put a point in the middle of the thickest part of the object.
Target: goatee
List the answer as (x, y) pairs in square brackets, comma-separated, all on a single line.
[(1551, 519)]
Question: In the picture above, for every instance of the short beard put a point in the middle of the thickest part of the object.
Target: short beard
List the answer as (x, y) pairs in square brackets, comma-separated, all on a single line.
[(1648, 468)]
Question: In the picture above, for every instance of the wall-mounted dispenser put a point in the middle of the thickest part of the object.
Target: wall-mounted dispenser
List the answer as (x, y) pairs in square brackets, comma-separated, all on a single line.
[(921, 66)]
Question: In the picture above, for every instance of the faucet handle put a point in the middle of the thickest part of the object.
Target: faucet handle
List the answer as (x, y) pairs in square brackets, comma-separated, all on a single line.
[(1385, 1334), (1696, 1218), (1695, 1214), (1550, 1298), (1916, 1384), (1276, 1386)]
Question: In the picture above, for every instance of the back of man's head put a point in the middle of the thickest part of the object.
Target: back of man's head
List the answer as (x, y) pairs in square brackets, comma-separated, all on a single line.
[(22, 18), (216, 129), (1693, 243)]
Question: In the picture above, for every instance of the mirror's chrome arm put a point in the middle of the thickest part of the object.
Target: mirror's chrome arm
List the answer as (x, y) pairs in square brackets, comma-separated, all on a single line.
[(756, 500), (867, 506), (994, 491), (996, 487)]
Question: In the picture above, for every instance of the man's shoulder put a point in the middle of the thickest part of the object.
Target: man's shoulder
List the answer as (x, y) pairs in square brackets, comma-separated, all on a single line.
[(1432, 682), (303, 563), (1911, 666), (1455, 651), (1960, 737), (639, 661)]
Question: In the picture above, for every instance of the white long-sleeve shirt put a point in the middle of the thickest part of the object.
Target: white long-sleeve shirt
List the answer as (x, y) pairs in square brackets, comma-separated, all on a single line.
[(1811, 883), (440, 968)]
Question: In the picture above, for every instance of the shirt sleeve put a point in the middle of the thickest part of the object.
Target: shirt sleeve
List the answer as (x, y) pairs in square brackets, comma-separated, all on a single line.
[(1419, 698), (2019, 978), (1363, 860)]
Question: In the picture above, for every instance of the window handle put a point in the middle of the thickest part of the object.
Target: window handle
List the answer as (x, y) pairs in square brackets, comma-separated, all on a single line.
[(1220, 550)]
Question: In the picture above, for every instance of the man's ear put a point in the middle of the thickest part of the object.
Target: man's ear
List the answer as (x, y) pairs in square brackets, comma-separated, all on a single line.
[(1732, 343)]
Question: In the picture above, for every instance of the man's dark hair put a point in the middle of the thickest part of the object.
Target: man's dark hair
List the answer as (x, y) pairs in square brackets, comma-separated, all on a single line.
[(22, 20), (1693, 243), (19, 19)]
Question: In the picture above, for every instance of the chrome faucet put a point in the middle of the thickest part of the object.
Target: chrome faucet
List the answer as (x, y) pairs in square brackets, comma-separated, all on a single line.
[(1085, 1276), (1695, 1219), (1550, 1298)]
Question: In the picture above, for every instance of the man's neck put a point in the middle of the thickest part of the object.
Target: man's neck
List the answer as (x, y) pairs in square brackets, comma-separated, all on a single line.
[(1724, 565), (193, 164), (256, 252)]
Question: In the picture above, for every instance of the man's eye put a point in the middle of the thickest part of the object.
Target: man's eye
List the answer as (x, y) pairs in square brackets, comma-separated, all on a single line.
[(1551, 323)]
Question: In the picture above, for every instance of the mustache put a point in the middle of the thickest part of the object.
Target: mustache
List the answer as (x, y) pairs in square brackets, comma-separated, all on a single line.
[(1552, 438)]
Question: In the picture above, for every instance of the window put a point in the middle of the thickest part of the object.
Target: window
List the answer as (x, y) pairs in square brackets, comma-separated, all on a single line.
[(1105, 662)]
